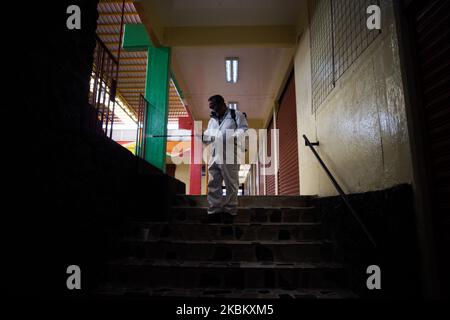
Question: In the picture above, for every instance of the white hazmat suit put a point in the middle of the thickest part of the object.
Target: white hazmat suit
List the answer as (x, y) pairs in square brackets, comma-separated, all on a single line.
[(222, 135)]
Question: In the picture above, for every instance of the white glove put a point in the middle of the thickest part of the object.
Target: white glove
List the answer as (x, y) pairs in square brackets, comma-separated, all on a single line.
[(207, 138)]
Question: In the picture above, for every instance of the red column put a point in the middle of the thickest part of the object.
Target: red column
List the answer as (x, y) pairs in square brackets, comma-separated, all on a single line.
[(195, 170)]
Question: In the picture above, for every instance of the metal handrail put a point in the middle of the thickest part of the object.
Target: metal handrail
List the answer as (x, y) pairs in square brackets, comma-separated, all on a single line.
[(339, 189)]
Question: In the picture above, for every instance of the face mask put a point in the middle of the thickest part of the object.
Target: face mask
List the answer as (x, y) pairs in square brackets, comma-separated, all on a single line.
[(214, 115)]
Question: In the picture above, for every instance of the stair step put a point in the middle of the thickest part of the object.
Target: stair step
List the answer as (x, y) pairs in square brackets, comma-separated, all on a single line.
[(251, 201), (246, 215), (194, 274), (228, 250), (217, 231), (142, 292)]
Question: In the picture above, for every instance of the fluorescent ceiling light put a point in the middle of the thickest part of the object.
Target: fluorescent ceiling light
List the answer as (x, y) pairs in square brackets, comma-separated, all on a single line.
[(231, 69), (233, 105)]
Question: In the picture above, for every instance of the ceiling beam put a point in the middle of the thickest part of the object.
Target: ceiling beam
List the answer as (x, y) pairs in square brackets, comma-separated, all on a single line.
[(115, 1), (117, 14), (132, 55), (243, 36), (108, 24), (129, 80), (143, 64), (131, 58), (150, 19), (108, 34), (131, 88), (133, 73)]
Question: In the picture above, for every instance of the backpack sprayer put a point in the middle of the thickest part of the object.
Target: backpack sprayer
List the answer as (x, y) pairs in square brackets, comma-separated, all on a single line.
[(213, 115)]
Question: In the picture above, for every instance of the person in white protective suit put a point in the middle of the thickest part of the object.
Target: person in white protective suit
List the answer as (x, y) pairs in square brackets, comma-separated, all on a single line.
[(226, 136)]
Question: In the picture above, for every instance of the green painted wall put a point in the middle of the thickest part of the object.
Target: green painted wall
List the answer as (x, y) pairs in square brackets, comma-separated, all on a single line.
[(156, 91)]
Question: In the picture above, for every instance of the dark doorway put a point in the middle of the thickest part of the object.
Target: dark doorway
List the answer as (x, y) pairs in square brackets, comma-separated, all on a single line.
[(426, 48)]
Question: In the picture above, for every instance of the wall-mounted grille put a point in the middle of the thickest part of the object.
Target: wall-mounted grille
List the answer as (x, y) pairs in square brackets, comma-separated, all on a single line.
[(321, 50), (351, 35), (339, 35)]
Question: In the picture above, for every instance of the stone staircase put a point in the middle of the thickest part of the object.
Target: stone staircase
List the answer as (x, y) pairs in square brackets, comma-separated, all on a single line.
[(273, 249)]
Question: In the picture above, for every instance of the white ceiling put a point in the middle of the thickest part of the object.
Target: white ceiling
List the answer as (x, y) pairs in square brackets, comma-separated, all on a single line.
[(201, 69), (228, 12), (261, 71)]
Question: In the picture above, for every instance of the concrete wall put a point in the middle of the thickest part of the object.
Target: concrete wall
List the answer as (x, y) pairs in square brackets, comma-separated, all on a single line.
[(361, 126), (182, 174), (204, 185), (82, 186)]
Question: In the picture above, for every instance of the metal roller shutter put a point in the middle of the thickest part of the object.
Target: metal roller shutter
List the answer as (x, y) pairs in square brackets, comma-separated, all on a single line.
[(270, 179), (433, 43), (288, 177), (431, 20)]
